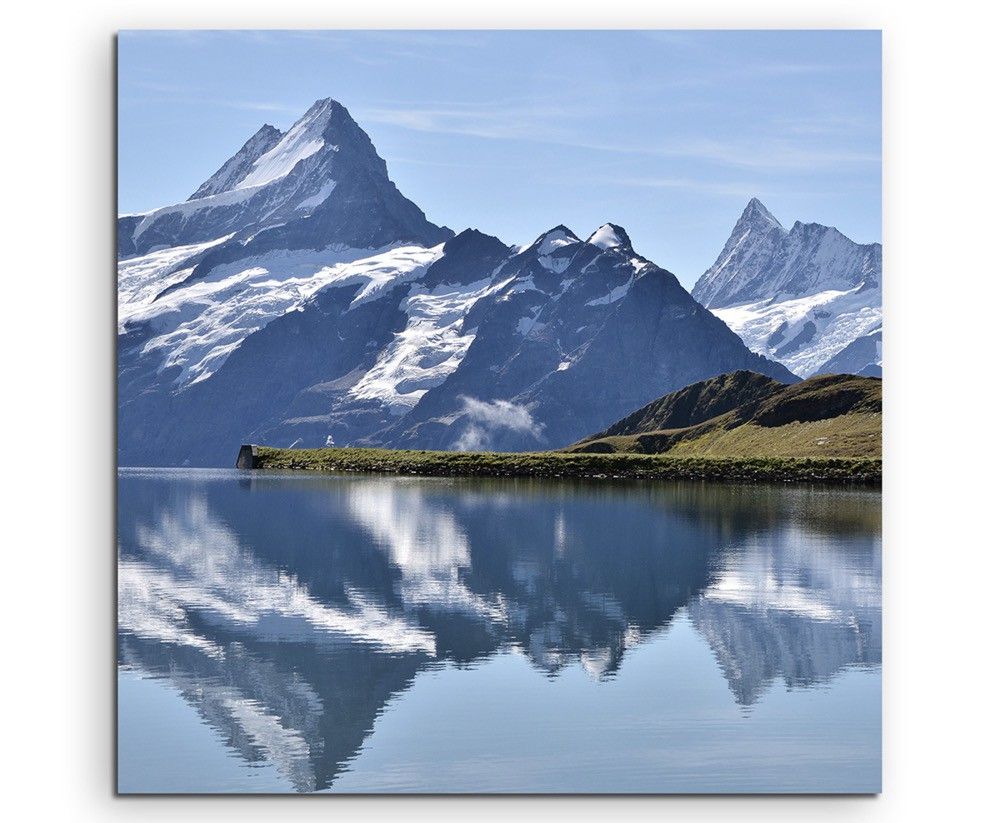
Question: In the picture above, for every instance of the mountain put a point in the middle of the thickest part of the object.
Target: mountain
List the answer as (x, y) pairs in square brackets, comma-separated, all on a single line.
[(744, 414), (861, 356), (796, 295), (320, 179), (572, 334), (299, 299)]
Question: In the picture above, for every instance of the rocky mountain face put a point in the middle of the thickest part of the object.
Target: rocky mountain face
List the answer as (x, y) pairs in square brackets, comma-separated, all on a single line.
[(299, 298), (799, 295), (862, 356)]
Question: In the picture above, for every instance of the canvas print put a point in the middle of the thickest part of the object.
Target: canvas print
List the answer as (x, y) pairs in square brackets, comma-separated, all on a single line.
[(499, 412)]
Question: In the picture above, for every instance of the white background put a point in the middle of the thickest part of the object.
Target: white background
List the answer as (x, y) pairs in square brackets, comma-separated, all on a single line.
[(57, 335)]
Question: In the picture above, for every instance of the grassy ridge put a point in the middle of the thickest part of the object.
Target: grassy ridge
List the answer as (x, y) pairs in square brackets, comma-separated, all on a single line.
[(829, 416), (572, 465), (846, 436)]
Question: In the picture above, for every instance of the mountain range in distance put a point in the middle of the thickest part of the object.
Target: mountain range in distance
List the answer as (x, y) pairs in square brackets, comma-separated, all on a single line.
[(298, 298), (802, 296)]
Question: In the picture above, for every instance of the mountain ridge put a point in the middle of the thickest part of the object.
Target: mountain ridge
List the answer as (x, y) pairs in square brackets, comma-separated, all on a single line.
[(764, 260)]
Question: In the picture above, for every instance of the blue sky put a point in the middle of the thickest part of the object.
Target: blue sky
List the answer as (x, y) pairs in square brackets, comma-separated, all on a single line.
[(667, 133)]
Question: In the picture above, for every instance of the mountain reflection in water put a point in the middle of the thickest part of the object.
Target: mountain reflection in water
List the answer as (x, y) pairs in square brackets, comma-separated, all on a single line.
[(289, 610)]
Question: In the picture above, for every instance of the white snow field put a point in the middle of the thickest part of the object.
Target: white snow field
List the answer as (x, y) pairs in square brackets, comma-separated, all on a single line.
[(198, 324), (430, 348), (839, 317), (302, 140)]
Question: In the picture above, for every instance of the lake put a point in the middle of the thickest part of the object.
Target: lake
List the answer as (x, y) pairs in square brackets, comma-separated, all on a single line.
[(293, 632)]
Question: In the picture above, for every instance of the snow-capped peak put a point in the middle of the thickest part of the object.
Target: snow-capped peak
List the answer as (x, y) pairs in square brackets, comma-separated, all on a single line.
[(302, 140), (797, 296), (323, 163), (609, 236), (763, 260), (756, 214), (554, 239)]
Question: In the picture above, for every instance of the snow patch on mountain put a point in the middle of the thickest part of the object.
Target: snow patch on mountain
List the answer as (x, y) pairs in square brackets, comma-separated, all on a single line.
[(325, 191), (607, 237), (189, 208), (302, 140), (804, 333), (430, 348), (521, 285), (237, 166), (554, 264), (616, 294), (384, 271), (529, 322), (554, 240), (140, 279)]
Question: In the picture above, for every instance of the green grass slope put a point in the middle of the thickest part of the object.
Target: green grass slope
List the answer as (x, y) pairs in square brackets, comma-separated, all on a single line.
[(697, 403), (741, 415)]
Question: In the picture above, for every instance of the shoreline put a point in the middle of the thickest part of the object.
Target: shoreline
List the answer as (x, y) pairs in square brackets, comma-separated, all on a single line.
[(590, 466)]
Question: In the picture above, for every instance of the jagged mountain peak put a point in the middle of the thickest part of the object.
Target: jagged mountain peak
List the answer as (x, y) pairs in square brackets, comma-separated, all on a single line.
[(810, 230), (555, 238), (756, 215), (799, 295), (759, 263), (271, 155), (470, 236), (324, 111), (326, 126), (332, 117), (610, 236), (318, 184), (469, 256), (322, 104)]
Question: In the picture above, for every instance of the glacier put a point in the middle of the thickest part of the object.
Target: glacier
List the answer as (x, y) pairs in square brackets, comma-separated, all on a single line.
[(197, 324), (804, 333)]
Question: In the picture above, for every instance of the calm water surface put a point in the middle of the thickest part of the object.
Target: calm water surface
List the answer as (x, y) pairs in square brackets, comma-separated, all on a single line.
[(300, 633)]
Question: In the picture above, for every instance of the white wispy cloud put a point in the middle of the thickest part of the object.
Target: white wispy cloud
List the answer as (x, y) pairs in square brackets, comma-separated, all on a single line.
[(488, 417), (540, 123), (727, 189)]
